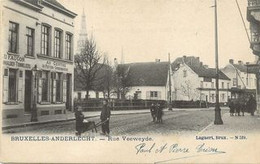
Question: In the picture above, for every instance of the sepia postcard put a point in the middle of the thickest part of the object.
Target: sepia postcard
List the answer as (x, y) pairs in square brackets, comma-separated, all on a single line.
[(130, 81)]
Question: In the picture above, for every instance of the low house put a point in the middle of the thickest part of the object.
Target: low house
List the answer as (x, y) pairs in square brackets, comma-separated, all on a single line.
[(195, 81), (149, 80)]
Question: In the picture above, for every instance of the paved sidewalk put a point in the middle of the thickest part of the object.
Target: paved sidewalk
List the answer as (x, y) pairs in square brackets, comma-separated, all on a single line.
[(235, 125), (25, 121)]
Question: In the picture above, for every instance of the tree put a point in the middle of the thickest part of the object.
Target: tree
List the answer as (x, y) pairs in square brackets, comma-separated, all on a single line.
[(189, 91), (87, 65), (105, 83), (123, 80)]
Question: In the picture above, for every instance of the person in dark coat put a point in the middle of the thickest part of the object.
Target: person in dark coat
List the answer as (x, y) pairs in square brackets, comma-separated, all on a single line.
[(251, 104), (237, 107), (159, 113), (79, 120), (105, 117), (153, 112), (231, 107)]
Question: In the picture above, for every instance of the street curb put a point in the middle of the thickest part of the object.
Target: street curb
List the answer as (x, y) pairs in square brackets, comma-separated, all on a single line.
[(60, 120)]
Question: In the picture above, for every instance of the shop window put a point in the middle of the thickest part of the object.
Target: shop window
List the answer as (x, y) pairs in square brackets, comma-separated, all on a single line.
[(13, 37), (30, 41), (45, 40), (57, 44), (12, 85), (68, 46), (45, 86)]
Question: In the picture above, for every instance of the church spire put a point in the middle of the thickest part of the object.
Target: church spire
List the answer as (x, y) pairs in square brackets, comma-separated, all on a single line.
[(83, 32)]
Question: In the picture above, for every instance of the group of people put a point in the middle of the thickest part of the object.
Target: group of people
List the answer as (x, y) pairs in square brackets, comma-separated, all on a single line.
[(156, 112), (242, 105), (82, 126)]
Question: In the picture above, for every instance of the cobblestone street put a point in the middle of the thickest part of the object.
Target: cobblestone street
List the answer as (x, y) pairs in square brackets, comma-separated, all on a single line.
[(174, 122)]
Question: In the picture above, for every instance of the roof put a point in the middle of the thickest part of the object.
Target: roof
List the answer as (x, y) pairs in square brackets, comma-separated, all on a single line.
[(244, 68), (51, 3), (147, 74), (195, 64)]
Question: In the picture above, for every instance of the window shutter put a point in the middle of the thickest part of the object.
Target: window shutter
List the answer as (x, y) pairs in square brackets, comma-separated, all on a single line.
[(159, 95), (54, 87), (64, 88), (39, 87), (20, 87), (5, 86), (147, 94)]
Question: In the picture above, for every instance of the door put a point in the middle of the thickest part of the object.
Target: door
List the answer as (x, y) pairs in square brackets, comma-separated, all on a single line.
[(68, 90), (28, 91)]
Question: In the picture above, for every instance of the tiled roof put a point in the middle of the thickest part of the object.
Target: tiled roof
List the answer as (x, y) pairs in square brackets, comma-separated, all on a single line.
[(244, 68), (148, 73), (200, 70)]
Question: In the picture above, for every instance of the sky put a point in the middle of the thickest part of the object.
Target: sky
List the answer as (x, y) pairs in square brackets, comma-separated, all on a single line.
[(150, 29)]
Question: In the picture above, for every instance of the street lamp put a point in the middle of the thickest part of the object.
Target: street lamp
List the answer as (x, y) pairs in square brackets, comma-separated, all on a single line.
[(34, 109), (218, 119)]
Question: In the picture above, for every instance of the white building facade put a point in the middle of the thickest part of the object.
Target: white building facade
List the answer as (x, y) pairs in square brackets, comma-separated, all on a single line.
[(37, 35)]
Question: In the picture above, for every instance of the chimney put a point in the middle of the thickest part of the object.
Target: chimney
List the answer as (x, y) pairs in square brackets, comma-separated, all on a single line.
[(240, 62), (157, 60), (231, 61), (206, 66)]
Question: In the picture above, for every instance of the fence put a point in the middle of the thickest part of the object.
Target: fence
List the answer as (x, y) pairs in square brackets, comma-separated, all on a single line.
[(96, 104)]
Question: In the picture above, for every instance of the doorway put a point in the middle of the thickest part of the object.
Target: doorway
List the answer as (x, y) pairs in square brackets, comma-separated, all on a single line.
[(28, 91), (68, 90)]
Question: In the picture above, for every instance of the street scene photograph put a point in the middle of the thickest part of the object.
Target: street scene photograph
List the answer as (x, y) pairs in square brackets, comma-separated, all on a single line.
[(136, 68)]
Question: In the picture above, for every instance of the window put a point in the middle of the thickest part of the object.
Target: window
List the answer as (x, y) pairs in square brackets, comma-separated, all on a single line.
[(12, 90), (222, 85), (184, 73), (13, 37), (45, 86), (153, 94), (45, 42), (79, 95), (212, 84), (30, 41), (58, 88), (247, 81), (223, 97), (213, 97), (68, 47), (201, 84), (57, 44), (227, 85), (234, 82)]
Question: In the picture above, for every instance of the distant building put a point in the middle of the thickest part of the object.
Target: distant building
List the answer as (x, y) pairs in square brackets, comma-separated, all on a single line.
[(37, 33), (148, 80), (195, 81), (82, 33), (253, 16), (242, 76)]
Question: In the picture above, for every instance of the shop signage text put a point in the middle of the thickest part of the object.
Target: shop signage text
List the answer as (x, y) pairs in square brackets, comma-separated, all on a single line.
[(15, 61), (54, 65)]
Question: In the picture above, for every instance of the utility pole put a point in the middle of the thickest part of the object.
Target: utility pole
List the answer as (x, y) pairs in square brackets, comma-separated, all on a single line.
[(218, 119), (170, 83)]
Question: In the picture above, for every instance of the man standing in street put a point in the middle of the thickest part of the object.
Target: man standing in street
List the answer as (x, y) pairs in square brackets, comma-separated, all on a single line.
[(105, 116)]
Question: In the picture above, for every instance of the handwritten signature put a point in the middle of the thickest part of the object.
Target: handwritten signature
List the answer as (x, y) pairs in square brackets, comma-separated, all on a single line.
[(201, 149)]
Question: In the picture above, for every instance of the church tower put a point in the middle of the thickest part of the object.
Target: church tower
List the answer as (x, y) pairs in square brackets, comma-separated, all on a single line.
[(83, 32)]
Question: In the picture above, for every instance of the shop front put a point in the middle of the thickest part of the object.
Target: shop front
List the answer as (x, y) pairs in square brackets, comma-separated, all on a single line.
[(41, 84)]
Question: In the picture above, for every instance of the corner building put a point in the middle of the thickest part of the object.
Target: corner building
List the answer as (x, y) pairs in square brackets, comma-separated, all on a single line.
[(37, 34)]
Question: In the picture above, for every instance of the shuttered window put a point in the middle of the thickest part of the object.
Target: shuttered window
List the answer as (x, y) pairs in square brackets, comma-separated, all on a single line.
[(12, 85)]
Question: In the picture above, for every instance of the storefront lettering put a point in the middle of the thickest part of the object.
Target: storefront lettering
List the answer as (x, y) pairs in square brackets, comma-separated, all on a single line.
[(16, 64), (14, 58), (53, 65)]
